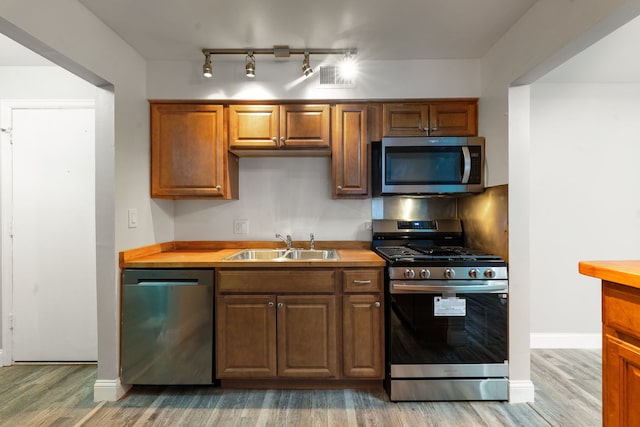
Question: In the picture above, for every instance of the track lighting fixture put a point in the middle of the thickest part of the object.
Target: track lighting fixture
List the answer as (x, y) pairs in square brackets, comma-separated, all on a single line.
[(250, 65), (306, 68), (207, 69), (277, 51)]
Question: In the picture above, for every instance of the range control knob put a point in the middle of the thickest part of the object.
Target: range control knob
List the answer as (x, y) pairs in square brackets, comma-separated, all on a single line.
[(425, 274), (473, 273), (449, 273), (409, 274), (489, 273)]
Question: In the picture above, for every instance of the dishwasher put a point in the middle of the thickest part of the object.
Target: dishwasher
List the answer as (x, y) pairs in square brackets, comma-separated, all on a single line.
[(167, 326)]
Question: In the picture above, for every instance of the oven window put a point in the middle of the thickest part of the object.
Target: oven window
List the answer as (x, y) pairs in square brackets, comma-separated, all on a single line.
[(415, 166), (417, 336)]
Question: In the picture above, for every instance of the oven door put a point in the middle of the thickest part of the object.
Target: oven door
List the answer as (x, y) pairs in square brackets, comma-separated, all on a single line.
[(440, 323)]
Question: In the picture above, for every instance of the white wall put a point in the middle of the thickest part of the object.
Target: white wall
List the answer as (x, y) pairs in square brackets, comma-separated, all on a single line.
[(584, 171), (68, 34), (547, 35)]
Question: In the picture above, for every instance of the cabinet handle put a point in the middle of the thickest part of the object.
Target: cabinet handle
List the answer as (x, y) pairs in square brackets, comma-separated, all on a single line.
[(280, 305), (376, 304), (270, 304), (362, 282), (218, 188)]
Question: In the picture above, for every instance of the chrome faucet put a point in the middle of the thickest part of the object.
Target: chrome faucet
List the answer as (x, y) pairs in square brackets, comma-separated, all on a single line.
[(312, 241), (286, 240)]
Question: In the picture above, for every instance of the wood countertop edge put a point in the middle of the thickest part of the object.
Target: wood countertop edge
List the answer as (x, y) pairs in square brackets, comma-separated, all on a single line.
[(211, 254), (624, 272)]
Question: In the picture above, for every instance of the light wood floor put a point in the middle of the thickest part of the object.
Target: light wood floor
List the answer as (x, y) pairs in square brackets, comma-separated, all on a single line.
[(568, 393)]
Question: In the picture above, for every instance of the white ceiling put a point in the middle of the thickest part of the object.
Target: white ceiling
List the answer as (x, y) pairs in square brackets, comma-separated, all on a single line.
[(379, 29)]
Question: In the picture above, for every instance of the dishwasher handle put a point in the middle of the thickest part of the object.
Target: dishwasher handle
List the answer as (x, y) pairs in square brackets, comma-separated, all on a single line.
[(164, 283)]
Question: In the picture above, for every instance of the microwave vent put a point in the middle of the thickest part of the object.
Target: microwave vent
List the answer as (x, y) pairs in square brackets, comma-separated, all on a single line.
[(330, 78)]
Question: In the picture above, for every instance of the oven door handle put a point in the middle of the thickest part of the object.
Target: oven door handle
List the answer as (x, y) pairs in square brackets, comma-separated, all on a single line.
[(486, 288)]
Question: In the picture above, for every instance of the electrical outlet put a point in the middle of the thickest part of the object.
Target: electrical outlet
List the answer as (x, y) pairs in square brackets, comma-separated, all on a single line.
[(132, 217), (368, 226), (240, 226)]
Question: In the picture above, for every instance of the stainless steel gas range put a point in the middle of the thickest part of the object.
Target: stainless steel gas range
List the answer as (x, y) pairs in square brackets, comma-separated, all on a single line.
[(446, 313)]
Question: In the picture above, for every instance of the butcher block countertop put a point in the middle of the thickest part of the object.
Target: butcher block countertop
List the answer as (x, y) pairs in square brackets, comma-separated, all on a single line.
[(211, 254), (623, 272)]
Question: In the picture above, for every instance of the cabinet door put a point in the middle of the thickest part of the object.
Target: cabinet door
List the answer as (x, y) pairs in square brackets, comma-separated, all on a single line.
[(188, 153), (453, 119), (405, 119), (246, 336), (305, 126), (362, 336), (349, 160), (253, 126), (621, 382), (307, 338)]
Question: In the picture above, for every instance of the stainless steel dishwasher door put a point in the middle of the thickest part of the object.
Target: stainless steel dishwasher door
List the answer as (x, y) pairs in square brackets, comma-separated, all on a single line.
[(167, 327)]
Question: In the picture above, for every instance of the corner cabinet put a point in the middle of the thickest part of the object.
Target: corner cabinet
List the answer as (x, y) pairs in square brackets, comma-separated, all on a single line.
[(287, 129), (433, 118), (189, 157), (350, 165)]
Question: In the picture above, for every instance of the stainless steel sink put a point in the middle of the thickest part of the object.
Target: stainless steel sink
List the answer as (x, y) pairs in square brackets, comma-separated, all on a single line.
[(310, 254), (259, 254), (284, 254)]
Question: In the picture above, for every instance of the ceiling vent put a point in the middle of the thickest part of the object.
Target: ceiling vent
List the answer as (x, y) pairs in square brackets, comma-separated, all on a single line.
[(330, 78)]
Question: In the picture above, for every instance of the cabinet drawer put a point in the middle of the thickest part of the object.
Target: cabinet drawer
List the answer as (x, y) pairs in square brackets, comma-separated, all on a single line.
[(369, 280), (276, 280), (620, 308)]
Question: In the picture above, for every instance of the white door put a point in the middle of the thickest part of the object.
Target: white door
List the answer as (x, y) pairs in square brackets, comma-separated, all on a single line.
[(54, 244)]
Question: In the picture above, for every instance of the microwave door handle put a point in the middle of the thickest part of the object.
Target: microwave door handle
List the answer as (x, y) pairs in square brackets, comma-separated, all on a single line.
[(467, 165)]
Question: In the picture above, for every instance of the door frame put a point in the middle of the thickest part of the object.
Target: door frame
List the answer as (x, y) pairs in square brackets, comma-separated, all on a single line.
[(6, 203)]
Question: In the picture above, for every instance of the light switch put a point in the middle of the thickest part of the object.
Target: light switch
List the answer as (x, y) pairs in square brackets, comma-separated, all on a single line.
[(132, 215), (240, 226)]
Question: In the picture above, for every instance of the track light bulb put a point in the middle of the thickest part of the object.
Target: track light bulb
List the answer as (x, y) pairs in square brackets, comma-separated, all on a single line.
[(250, 66), (207, 69), (306, 68)]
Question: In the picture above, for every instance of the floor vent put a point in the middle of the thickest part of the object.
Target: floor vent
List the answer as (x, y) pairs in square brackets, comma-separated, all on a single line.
[(330, 78)]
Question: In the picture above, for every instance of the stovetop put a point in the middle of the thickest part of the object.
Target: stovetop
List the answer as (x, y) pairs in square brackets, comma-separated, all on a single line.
[(410, 252)]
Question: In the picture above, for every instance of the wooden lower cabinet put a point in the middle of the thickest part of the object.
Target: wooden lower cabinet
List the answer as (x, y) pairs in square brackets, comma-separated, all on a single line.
[(620, 355), (362, 336), (307, 343), (299, 324), (246, 336)]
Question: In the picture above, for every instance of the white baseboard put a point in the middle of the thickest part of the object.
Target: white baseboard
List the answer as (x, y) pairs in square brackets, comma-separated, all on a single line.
[(548, 340), (521, 391), (109, 390)]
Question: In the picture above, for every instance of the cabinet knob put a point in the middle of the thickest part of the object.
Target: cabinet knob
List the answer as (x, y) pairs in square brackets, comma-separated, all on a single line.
[(377, 304), (339, 187), (218, 188), (280, 305), (282, 139), (274, 139), (270, 304)]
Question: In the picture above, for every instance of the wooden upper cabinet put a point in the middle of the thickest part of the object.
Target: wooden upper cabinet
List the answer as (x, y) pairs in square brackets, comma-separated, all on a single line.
[(350, 164), (279, 127), (189, 156), (436, 118), (253, 126)]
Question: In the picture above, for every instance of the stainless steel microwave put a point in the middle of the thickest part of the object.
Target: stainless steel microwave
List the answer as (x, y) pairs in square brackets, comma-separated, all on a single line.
[(427, 165)]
